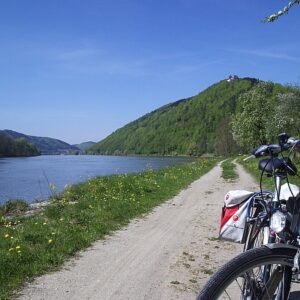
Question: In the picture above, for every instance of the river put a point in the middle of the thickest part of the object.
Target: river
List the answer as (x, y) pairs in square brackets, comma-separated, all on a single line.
[(29, 178)]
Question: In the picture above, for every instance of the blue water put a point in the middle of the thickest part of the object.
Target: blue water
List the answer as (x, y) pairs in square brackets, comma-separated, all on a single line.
[(29, 178)]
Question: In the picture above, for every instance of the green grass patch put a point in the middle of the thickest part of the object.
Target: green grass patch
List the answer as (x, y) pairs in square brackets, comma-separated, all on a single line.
[(229, 170), (13, 207), (83, 213), (267, 182)]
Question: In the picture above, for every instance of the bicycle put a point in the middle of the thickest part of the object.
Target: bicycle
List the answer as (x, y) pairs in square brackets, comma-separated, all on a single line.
[(265, 272), (258, 220)]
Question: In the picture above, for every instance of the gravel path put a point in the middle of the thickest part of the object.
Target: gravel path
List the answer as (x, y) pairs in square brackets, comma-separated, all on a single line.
[(168, 254)]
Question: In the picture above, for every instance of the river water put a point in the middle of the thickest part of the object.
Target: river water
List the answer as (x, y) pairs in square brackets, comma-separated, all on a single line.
[(29, 178)]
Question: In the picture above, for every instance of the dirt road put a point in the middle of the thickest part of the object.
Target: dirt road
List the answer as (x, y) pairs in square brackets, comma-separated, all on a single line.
[(168, 254)]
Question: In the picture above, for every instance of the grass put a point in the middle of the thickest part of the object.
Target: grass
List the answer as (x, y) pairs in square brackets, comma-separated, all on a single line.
[(229, 170), (13, 207), (267, 182), (83, 213)]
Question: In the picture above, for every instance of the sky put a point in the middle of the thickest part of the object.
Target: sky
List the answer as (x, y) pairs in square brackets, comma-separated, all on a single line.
[(77, 70)]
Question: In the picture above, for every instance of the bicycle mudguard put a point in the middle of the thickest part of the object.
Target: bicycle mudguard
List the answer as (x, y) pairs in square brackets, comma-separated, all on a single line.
[(280, 246)]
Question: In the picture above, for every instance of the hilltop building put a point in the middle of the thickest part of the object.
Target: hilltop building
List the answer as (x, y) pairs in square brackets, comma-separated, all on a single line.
[(232, 78)]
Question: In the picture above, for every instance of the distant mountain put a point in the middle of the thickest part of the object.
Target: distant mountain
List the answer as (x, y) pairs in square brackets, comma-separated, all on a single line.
[(45, 144), (85, 145)]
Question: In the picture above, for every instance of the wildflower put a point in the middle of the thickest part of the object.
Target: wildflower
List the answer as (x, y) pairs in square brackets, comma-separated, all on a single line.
[(50, 241), (10, 249), (90, 206), (53, 233), (61, 219), (19, 251), (18, 247), (36, 223), (11, 237), (45, 223), (6, 235)]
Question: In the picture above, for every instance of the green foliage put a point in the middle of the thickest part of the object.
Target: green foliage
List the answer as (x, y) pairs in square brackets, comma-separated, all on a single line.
[(185, 127), (251, 125), (265, 111), (82, 214), (287, 112), (17, 147), (13, 207), (282, 12), (44, 144)]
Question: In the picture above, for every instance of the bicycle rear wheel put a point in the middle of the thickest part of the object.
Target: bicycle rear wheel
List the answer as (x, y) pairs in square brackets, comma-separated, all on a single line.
[(260, 273)]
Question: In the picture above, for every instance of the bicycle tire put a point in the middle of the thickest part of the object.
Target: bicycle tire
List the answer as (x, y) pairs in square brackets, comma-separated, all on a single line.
[(242, 267)]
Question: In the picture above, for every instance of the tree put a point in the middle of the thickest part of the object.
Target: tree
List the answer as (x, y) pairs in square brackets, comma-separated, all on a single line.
[(225, 144), (251, 126), (287, 113), (282, 12), (17, 147), (6, 145)]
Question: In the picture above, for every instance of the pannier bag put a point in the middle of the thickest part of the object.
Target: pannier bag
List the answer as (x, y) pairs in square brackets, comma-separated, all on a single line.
[(234, 215), (288, 190)]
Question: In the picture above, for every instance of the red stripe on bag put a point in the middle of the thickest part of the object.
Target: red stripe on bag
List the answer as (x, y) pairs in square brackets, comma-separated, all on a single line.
[(227, 213)]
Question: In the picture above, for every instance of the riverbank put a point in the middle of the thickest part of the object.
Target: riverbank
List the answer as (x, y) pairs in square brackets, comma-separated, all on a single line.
[(168, 254), (31, 246), (30, 178)]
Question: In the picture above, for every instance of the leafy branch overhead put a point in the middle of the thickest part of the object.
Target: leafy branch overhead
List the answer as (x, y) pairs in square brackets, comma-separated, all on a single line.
[(282, 12)]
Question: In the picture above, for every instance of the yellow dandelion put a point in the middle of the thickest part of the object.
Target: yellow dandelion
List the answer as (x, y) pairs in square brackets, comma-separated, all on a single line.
[(50, 241), (6, 235)]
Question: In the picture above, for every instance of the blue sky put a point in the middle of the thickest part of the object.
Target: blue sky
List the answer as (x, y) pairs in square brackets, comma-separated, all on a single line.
[(78, 70)]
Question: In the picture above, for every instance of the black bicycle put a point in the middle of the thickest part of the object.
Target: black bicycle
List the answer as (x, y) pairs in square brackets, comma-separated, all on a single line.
[(265, 272)]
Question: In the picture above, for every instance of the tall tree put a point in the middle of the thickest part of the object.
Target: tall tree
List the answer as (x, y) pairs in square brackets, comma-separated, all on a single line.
[(252, 125), (225, 144), (287, 112)]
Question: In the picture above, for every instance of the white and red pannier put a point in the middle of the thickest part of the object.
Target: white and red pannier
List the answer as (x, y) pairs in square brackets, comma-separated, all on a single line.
[(234, 215)]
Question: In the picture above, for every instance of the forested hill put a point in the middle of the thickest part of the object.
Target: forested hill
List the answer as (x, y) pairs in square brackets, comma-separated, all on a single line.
[(16, 147), (191, 126), (45, 144)]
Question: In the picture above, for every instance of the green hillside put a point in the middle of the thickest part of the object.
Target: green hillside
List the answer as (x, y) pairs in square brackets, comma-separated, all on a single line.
[(18, 147), (203, 123), (188, 126), (85, 145), (45, 144)]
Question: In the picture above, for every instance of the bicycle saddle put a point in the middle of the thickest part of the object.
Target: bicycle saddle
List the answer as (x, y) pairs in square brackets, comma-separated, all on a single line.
[(270, 165)]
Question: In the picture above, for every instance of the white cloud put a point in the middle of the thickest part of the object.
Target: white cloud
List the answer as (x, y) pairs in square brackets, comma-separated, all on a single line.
[(267, 54), (79, 53)]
